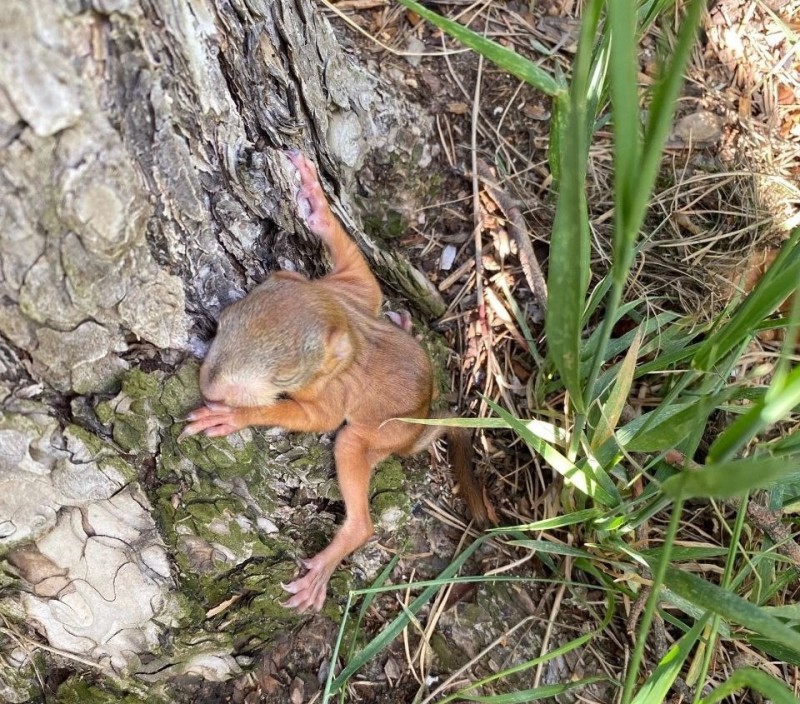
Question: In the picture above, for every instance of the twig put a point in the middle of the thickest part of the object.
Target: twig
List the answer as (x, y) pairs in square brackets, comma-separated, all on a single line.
[(551, 621), (516, 225)]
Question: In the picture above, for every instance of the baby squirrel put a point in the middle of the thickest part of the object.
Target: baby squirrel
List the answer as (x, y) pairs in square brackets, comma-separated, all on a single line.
[(313, 356)]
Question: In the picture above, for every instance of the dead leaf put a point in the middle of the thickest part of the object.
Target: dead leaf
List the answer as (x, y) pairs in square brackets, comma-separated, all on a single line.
[(297, 691), (536, 111), (392, 670), (458, 593), (687, 223), (746, 278), (457, 108), (785, 95), (490, 512)]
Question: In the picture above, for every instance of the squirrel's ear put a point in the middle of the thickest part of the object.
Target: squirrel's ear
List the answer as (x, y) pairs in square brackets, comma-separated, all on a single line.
[(338, 345)]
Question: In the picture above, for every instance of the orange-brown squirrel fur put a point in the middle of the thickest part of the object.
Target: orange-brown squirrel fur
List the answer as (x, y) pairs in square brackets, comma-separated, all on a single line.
[(313, 355)]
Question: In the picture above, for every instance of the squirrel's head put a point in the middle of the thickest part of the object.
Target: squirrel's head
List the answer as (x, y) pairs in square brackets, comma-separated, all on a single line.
[(279, 339)]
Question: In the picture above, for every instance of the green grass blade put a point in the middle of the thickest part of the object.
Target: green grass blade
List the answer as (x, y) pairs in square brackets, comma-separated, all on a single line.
[(661, 112), (558, 135), (726, 583), (625, 103), (500, 56), (546, 691), (522, 321), (391, 630), (657, 686), (785, 445), (775, 286), (771, 409), (612, 409), (619, 344), (650, 10), (627, 520), (369, 598), (545, 431), (596, 84), (579, 477), (586, 516), (731, 607), (688, 608), (659, 569), (568, 274), (550, 655), (440, 582), (495, 423), (731, 478), (684, 553), (775, 651), (326, 694), (766, 685), (667, 361), (596, 297), (551, 548), (665, 427), (629, 214), (665, 346)]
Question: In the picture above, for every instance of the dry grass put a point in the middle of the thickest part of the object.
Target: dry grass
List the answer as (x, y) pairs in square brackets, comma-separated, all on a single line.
[(719, 199)]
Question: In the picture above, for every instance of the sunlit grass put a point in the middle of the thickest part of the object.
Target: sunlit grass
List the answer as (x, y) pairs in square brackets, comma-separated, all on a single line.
[(600, 456)]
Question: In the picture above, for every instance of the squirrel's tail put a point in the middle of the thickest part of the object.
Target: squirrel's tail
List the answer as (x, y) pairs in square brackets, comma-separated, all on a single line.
[(459, 444)]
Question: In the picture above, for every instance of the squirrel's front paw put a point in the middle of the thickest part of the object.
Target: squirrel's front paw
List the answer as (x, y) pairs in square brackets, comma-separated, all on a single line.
[(214, 420)]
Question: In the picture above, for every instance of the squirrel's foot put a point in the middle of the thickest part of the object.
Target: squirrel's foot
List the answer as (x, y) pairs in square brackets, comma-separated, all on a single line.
[(311, 200), (309, 591), (401, 318)]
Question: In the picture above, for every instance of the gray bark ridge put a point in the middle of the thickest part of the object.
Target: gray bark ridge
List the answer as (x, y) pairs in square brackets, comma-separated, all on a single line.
[(142, 188)]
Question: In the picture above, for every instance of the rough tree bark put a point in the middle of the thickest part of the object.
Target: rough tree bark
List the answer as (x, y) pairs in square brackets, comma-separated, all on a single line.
[(141, 190)]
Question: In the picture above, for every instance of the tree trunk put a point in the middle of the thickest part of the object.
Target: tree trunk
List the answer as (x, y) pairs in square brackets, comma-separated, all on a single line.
[(142, 188)]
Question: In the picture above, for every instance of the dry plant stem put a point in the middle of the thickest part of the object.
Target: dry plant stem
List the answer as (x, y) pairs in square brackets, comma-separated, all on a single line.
[(451, 679), (511, 565), (342, 16), (527, 257), (469, 8), (476, 207), (637, 607), (10, 632), (438, 606), (713, 627), (769, 522), (424, 644), (644, 592), (26, 642), (422, 653), (406, 644), (549, 630), (652, 602)]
